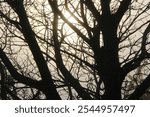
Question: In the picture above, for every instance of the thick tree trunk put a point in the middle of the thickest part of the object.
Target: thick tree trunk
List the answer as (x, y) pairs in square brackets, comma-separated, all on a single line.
[(112, 90)]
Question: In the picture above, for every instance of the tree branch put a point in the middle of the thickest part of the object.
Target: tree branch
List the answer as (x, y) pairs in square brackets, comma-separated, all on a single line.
[(144, 39), (55, 8), (68, 76), (15, 74), (124, 5), (105, 7), (92, 8), (140, 90)]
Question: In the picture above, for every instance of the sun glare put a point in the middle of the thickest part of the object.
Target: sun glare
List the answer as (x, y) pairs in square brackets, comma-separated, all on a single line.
[(69, 31), (70, 17)]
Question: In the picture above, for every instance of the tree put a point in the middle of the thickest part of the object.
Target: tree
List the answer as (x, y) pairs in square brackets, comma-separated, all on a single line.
[(75, 49)]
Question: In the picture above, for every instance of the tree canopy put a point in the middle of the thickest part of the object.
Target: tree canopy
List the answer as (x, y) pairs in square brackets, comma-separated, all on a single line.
[(74, 49)]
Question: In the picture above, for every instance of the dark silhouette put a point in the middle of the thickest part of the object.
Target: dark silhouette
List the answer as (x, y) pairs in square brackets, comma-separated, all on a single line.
[(103, 54)]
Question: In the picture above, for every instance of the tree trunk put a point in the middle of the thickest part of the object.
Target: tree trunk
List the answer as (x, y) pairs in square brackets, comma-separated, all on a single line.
[(112, 90)]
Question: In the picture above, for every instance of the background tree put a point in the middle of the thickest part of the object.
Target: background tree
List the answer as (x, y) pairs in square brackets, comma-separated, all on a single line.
[(74, 49)]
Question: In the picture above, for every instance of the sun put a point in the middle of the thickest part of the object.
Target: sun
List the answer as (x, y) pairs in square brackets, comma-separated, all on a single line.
[(70, 18), (67, 31)]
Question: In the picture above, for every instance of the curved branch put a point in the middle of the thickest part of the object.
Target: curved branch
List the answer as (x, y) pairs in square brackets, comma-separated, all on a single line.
[(15, 74), (140, 90)]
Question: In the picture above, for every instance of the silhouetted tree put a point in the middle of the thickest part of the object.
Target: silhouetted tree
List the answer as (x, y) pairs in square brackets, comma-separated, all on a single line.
[(74, 49)]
